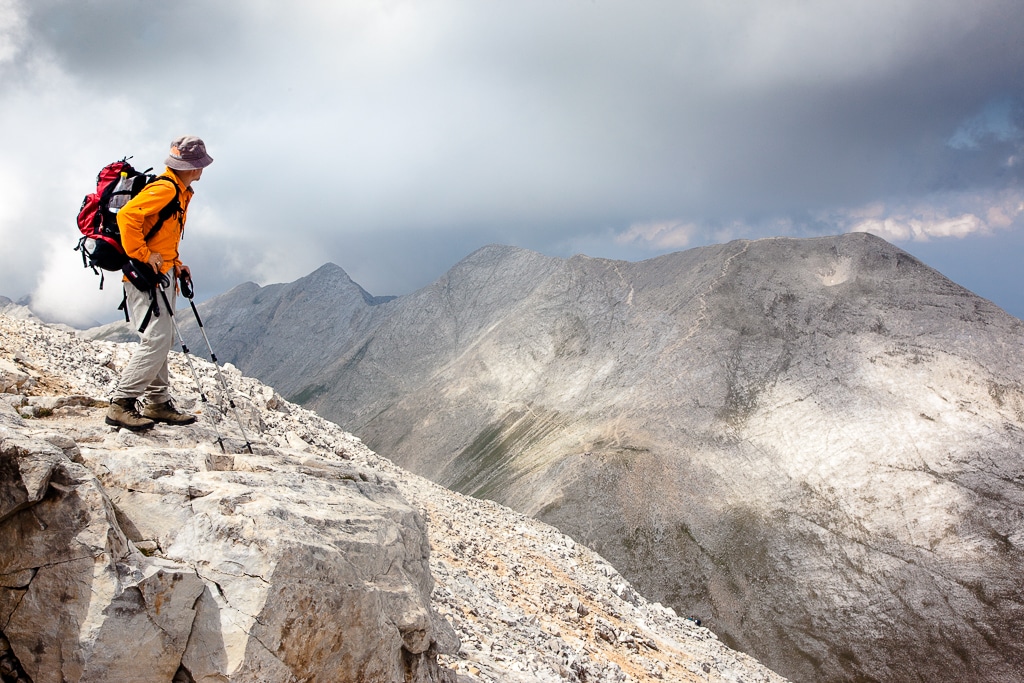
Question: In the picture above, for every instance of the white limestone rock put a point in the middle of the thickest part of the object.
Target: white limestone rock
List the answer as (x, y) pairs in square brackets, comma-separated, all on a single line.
[(13, 379), (283, 568), (77, 601), (311, 567)]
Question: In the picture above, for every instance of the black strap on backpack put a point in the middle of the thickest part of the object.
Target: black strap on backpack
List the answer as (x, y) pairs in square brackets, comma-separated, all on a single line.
[(152, 312), (142, 277), (173, 207)]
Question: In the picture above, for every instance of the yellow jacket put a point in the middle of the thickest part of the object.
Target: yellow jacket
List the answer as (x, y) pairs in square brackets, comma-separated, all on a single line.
[(139, 215)]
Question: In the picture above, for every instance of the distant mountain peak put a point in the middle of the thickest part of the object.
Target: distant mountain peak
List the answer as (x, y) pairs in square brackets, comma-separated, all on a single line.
[(333, 275)]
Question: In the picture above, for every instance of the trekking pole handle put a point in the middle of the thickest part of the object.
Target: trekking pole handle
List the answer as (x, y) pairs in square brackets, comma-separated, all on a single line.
[(185, 283)]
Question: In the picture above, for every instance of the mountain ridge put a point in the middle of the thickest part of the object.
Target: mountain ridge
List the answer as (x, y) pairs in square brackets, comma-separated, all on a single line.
[(783, 435)]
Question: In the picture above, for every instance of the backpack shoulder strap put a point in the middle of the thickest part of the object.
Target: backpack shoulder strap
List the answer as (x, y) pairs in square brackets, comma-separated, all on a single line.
[(173, 207)]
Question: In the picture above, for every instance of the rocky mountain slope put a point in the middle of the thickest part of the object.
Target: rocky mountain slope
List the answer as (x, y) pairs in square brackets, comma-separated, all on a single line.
[(162, 557), (814, 444)]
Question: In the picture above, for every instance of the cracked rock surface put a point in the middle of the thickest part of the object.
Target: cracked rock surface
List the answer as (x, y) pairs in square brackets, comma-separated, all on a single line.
[(144, 557), (159, 557)]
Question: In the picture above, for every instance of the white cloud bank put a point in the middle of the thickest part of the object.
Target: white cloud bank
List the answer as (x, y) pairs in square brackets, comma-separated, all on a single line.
[(659, 234), (953, 216), (926, 223)]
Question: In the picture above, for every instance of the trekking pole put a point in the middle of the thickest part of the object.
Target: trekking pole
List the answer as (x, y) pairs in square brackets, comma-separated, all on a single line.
[(191, 365), (186, 290)]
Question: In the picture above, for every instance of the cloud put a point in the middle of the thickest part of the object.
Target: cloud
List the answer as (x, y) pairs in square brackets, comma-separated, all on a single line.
[(991, 213), (659, 234), (50, 162), (396, 137), (903, 229), (66, 292), (953, 216), (1000, 120), (12, 30)]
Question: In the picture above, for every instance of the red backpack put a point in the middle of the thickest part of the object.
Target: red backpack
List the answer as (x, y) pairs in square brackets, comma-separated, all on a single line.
[(116, 183)]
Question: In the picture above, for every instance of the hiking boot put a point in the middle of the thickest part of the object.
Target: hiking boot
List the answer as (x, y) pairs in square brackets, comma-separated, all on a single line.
[(166, 412), (124, 412)]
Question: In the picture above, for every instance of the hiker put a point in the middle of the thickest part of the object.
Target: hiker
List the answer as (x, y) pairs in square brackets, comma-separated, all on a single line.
[(146, 375)]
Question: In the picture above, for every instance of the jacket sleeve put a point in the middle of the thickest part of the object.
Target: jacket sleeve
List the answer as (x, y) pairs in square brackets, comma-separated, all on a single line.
[(139, 215)]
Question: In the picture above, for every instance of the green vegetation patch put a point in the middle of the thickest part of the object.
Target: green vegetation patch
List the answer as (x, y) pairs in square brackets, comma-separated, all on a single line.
[(487, 466), (308, 394)]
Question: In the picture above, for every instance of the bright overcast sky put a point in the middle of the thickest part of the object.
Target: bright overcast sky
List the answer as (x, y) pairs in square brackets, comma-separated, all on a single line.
[(396, 137)]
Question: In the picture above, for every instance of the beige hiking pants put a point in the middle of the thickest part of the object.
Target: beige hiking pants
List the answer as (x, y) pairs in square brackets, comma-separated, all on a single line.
[(146, 374)]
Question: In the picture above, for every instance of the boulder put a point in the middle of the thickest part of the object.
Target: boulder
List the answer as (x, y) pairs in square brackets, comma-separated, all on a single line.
[(13, 380), (77, 601), (280, 566), (313, 569)]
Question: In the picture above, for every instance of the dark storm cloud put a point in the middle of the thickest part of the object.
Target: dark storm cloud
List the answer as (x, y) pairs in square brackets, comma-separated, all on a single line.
[(394, 138), (121, 40)]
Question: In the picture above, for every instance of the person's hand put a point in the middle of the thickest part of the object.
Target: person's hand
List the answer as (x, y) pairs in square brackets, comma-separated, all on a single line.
[(156, 262), (183, 280)]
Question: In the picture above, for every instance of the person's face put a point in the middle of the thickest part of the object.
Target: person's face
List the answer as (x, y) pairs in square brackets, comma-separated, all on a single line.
[(191, 176)]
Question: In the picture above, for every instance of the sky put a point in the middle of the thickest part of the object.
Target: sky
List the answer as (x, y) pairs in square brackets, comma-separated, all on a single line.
[(396, 137)]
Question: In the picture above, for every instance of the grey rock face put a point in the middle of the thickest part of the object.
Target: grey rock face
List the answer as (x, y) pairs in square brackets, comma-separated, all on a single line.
[(159, 557), (266, 567), (813, 444), (75, 596), (303, 554)]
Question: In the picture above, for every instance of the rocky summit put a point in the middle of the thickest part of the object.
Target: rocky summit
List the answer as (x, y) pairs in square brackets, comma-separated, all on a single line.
[(813, 444), (268, 545)]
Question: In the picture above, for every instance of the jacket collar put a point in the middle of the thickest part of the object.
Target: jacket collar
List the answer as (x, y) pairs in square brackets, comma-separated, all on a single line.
[(169, 172)]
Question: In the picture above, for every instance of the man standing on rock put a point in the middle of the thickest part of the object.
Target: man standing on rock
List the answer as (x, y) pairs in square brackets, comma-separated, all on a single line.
[(146, 376)]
